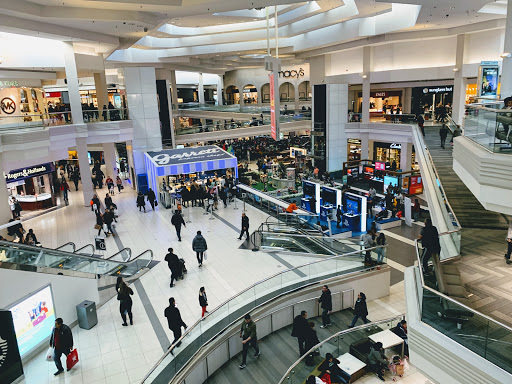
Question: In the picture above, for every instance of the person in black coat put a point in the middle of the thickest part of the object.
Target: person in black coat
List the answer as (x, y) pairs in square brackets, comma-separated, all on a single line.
[(326, 304), (175, 265), (330, 366), (300, 330), (151, 198), (140, 202), (125, 303), (177, 221), (429, 237), (203, 300), (199, 246), (245, 226), (174, 320), (61, 341), (95, 204), (360, 310), (311, 338), (75, 177)]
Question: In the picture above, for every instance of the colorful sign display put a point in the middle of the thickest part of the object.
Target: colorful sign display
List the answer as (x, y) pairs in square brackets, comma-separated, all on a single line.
[(416, 185), (380, 166), (489, 81), (273, 129), (34, 319)]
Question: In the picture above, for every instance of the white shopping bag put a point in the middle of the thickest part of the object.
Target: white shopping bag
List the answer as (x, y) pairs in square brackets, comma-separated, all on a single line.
[(49, 354)]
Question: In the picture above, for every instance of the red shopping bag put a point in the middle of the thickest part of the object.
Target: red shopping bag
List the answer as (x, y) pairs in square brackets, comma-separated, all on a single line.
[(72, 359)]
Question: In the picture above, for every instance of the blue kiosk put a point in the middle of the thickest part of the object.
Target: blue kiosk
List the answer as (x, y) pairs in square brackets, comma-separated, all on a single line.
[(331, 198), (310, 190)]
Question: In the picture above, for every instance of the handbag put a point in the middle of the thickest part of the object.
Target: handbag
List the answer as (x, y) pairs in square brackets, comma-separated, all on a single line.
[(72, 359), (49, 354), (204, 255), (97, 226)]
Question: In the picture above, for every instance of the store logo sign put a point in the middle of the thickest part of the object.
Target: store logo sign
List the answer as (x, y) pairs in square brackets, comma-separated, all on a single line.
[(25, 173), (8, 83), (8, 105), (437, 90), (395, 146), (380, 94), (292, 73), (189, 156)]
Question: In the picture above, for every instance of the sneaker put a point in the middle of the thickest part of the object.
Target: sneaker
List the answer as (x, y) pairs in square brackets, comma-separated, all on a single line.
[(131, 322), (58, 373), (124, 324), (323, 326), (328, 325), (171, 285), (257, 354), (242, 366)]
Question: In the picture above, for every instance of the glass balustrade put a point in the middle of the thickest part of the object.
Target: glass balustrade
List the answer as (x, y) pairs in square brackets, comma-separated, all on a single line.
[(246, 301)]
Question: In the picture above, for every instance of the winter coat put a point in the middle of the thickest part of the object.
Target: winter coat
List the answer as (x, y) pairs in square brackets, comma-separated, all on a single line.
[(360, 308), (326, 300), (199, 244)]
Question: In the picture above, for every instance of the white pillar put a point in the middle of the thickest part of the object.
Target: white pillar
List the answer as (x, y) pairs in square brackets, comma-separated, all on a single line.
[(367, 66), (407, 100), (5, 208), (220, 87), (100, 83), (109, 154), (405, 157), (365, 146), (200, 89), (459, 84), (46, 181), (336, 137), (174, 100), (72, 80), (241, 95), (506, 67), (296, 104), (85, 170)]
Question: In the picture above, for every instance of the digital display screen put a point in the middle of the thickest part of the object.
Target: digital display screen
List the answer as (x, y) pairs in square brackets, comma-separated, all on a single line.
[(368, 170), (328, 196), (34, 319), (390, 180), (353, 171), (489, 81), (308, 189), (352, 206), (380, 166)]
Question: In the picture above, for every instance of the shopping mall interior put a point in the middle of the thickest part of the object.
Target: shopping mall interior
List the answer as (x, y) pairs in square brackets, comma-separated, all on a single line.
[(281, 191)]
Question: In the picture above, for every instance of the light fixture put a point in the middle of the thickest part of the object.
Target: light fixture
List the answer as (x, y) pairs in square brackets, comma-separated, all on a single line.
[(364, 76), (505, 55), (455, 69)]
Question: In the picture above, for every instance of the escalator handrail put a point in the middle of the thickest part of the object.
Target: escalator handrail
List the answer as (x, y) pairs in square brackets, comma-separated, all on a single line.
[(140, 255), (85, 246), (63, 245), (121, 251)]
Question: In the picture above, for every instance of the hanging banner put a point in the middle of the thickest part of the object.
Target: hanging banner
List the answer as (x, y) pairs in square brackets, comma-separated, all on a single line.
[(272, 107)]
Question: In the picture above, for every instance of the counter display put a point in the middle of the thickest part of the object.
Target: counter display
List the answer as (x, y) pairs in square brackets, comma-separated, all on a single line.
[(35, 202)]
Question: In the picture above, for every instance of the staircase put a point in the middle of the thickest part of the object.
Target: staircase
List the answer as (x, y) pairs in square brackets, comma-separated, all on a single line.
[(469, 211)]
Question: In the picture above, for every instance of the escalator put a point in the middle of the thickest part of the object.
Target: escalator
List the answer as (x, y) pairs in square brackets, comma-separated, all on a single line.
[(298, 242), (68, 260)]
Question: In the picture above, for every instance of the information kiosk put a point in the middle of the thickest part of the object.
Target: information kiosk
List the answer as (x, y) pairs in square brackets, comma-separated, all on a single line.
[(354, 212), (331, 198), (309, 190)]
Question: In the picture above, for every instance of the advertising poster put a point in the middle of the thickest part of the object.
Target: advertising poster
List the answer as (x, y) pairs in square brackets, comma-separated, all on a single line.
[(489, 81), (34, 319), (380, 166), (390, 180), (272, 107), (416, 185), (11, 367)]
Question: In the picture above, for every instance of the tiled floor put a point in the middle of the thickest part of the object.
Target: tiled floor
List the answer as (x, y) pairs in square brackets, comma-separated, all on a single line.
[(110, 353)]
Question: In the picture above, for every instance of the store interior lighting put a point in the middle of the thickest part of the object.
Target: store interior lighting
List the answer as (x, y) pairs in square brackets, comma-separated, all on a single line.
[(505, 55)]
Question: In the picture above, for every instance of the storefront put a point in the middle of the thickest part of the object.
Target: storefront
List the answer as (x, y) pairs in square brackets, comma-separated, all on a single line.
[(387, 152), (20, 98), (426, 100), (353, 149), (250, 94), (382, 102), (32, 186)]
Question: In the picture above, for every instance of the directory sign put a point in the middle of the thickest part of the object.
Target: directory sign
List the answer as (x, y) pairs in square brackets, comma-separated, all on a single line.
[(273, 129), (33, 318)]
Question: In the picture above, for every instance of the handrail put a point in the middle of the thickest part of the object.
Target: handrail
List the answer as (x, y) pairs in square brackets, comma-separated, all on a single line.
[(140, 255), (341, 333), (121, 251), (86, 246), (189, 329), (442, 295), (68, 243)]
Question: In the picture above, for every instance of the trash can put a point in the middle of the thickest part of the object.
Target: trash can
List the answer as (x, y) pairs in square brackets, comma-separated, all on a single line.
[(86, 313)]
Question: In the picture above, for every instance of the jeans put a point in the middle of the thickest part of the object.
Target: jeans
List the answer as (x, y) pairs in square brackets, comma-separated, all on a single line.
[(443, 141), (254, 344), (65, 194), (109, 227), (354, 320), (125, 308), (57, 354), (368, 257), (509, 250), (302, 345), (380, 254), (178, 231), (152, 202), (199, 256), (325, 317)]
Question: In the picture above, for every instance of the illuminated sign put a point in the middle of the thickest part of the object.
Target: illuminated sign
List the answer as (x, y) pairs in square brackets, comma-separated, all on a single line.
[(273, 129), (395, 146), (438, 90), (8, 83), (292, 73), (8, 105), (25, 173)]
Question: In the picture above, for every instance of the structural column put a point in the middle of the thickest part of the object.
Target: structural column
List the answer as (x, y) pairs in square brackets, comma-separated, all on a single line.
[(174, 106), (220, 87), (405, 157), (506, 68), (100, 83), (241, 95), (365, 146), (200, 89), (367, 68), (109, 154), (5, 208), (85, 170), (337, 115), (72, 80), (459, 83)]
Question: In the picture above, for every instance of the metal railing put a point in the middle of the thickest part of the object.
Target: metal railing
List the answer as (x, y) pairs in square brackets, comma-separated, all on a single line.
[(125, 254), (236, 307), (337, 345), (82, 250), (484, 336)]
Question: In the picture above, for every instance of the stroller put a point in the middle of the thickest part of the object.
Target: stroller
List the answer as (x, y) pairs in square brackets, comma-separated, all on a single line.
[(183, 270)]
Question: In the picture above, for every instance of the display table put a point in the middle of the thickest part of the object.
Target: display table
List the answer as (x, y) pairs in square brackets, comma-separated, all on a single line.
[(388, 339), (352, 365), (351, 222), (33, 203), (304, 204), (282, 183), (325, 211)]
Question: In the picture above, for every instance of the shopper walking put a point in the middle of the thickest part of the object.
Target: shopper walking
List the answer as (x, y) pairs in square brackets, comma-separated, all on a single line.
[(75, 177), (203, 301), (95, 204), (429, 237), (245, 226), (61, 341), (174, 320), (360, 310), (443, 133), (326, 304), (119, 184), (381, 252), (175, 265), (141, 203), (152, 199), (249, 338), (64, 187), (421, 123), (108, 218), (108, 201), (199, 246), (509, 243), (125, 302), (99, 223), (300, 330), (177, 220)]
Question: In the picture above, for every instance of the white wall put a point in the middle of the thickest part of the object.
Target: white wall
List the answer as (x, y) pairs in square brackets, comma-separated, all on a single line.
[(67, 291), (484, 46), (186, 78), (349, 61)]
